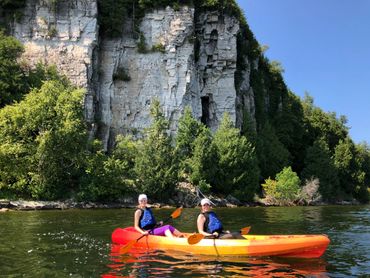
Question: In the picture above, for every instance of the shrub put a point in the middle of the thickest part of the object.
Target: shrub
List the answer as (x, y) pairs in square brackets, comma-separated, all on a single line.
[(309, 193), (121, 74), (158, 47), (284, 190)]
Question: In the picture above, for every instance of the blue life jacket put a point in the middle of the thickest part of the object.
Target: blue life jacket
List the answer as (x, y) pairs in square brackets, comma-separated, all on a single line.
[(147, 220), (212, 223)]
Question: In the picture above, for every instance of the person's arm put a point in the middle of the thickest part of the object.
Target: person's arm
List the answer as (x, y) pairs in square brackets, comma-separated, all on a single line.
[(138, 213), (200, 224)]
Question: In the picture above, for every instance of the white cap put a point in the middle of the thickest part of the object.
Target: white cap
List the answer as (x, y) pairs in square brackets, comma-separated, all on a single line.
[(142, 197), (205, 201)]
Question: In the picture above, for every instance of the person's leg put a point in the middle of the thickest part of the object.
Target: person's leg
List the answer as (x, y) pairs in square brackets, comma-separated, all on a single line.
[(165, 230), (177, 233), (168, 233), (160, 231), (225, 236)]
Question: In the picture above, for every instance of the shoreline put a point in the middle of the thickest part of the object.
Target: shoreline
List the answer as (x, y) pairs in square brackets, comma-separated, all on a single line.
[(23, 205)]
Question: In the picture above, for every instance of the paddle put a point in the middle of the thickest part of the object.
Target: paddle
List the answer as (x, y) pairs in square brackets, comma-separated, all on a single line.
[(195, 238), (245, 230), (129, 245)]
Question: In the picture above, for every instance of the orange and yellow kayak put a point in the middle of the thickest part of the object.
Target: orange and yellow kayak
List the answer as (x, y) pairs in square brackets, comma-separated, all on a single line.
[(299, 246)]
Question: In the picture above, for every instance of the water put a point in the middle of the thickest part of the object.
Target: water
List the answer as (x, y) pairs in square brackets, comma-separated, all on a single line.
[(76, 243)]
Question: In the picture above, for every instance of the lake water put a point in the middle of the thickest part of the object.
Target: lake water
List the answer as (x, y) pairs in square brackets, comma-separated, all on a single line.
[(76, 243)]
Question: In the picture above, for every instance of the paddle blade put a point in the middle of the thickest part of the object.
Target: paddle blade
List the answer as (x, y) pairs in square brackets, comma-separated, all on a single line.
[(125, 248), (176, 213), (245, 230), (195, 238)]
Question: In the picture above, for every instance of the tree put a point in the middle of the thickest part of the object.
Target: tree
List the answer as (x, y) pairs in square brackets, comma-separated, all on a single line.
[(155, 164), (285, 189), (362, 191), (272, 155), (287, 184), (12, 85), (188, 130), (204, 160), (237, 168), (323, 125), (318, 164), (43, 139), (289, 126), (107, 177), (348, 169)]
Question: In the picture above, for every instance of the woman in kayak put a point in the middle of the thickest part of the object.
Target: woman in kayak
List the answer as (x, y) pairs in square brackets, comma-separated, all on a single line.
[(210, 225), (144, 221)]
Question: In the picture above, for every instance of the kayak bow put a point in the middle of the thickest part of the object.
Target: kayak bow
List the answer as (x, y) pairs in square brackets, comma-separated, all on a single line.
[(299, 246)]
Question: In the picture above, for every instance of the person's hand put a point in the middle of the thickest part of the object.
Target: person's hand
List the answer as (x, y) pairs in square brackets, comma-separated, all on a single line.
[(215, 234), (146, 233), (160, 223)]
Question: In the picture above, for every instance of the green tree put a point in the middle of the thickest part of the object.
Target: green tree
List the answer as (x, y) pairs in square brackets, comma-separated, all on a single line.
[(362, 191), (43, 139), (289, 126), (323, 125), (272, 155), (346, 164), (155, 164), (126, 151), (12, 4), (285, 188), (12, 85), (318, 164), (204, 160), (107, 178), (112, 14), (238, 170), (188, 130), (37, 75), (287, 184), (249, 127)]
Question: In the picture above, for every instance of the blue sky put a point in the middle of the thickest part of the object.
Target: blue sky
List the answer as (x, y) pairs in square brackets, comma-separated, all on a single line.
[(324, 48)]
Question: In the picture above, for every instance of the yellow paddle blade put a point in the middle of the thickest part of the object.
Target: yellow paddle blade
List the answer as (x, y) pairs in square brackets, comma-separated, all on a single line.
[(245, 230), (124, 249), (195, 238), (176, 213)]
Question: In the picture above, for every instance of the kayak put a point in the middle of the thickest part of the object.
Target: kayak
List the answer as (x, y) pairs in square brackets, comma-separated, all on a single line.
[(298, 246)]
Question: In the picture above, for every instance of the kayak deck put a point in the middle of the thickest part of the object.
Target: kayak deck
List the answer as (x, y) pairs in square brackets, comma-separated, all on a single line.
[(299, 246)]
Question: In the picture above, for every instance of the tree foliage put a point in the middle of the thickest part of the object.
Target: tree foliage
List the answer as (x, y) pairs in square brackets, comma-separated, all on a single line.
[(107, 177), (42, 138), (346, 164), (318, 164), (12, 85), (237, 167), (204, 161), (285, 188), (155, 165), (272, 155)]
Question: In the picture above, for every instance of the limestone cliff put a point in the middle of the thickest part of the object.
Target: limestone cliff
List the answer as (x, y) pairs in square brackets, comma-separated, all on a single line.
[(187, 61)]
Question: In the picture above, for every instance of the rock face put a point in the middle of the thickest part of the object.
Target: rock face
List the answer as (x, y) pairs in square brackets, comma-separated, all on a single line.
[(64, 34), (185, 61)]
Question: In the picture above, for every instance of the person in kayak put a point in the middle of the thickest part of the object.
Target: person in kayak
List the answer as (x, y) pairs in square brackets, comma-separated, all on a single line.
[(210, 225), (145, 223)]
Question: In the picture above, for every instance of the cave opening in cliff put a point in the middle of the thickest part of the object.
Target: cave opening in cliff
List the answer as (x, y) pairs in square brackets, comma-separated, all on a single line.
[(205, 110)]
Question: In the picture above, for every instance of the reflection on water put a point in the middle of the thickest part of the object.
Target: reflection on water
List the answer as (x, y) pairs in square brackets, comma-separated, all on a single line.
[(149, 263)]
